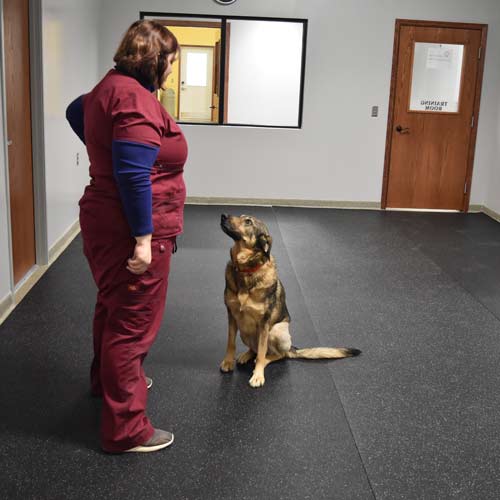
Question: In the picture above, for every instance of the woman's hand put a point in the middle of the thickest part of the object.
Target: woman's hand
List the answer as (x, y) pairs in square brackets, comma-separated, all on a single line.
[(139, 263)]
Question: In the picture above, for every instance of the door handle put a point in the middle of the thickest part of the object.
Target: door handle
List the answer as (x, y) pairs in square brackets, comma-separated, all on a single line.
[(212, 107), (9, 143), (402, 130)]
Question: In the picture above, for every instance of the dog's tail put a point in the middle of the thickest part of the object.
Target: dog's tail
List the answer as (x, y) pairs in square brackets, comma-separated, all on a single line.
[(322, 353)]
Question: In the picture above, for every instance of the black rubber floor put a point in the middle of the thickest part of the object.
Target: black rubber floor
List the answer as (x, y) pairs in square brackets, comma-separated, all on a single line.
[(415, 417)]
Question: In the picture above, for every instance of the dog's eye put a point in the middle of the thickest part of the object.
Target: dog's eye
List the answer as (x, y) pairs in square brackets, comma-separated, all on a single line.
[(248, 222)]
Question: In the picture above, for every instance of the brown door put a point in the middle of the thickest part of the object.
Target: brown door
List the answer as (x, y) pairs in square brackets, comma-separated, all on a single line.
[(17, 79), (433, 115)]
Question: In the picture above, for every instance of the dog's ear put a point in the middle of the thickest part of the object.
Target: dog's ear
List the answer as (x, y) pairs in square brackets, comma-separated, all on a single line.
[(264, 242)]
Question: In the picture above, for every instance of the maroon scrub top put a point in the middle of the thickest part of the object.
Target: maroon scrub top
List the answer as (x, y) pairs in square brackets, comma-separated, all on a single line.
[(120, 108)]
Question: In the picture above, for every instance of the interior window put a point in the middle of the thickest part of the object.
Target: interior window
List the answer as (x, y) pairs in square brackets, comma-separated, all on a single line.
[(236, 70)]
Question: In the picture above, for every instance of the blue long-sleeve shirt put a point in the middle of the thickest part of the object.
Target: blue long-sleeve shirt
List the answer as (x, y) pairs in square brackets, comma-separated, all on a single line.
[(132, 164), (74, 115)]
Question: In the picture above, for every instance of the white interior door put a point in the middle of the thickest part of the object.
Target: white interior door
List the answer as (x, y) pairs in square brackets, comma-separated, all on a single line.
[(196, 88)]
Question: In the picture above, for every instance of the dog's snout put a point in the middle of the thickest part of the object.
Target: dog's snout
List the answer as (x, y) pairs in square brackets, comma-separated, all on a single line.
[(227, 226), (225, 219)]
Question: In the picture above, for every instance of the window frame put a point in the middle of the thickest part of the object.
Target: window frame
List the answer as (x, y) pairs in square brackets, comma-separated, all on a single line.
[(160, 16)]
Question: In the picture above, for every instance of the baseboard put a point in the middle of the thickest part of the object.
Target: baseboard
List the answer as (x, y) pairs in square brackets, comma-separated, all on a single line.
[(475, 208), (270, 202), (6, 307), (267, 202), (491, 213), (8, 304), (28, 282)]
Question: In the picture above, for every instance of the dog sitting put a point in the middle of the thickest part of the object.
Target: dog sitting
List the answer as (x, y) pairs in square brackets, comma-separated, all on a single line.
[(255, 302)]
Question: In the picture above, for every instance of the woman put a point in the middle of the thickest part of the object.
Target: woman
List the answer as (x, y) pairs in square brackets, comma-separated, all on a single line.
[(130, 215)]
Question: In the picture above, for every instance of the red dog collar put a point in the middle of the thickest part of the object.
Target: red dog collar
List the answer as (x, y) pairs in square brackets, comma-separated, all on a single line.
[(251, 269)]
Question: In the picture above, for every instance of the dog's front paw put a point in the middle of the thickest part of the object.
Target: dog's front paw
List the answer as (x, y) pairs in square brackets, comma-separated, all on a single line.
[(227, 365), (257, 380)]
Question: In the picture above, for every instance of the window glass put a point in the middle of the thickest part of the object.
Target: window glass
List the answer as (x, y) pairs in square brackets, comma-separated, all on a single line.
[(264, 72), (196, 71), (436, 78)]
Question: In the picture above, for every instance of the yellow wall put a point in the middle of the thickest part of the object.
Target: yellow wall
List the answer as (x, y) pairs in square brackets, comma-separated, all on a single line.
[(187, 36)]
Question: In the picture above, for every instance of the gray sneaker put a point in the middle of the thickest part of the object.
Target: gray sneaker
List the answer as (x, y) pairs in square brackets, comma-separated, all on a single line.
[(159, 440)]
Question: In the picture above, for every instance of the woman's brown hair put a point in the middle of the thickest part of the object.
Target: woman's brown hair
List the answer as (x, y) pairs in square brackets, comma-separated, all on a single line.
[(144, 50)]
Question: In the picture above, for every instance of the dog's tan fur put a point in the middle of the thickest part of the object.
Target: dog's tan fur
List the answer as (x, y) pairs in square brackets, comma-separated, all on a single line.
[(256, 305)]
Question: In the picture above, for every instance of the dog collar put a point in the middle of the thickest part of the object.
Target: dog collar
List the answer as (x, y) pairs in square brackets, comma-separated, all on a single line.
[(251, 269)]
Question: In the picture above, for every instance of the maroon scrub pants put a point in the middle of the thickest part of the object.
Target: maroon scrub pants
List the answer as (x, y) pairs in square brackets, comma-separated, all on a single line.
[(128, 314)]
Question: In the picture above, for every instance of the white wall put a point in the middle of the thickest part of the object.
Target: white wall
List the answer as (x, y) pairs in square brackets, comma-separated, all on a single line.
[(493, 193), (70, 54), (492, 184), (339, 153)]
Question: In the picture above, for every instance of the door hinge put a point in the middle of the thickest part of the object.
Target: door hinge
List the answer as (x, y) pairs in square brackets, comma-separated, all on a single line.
[(465, 188), (472, 122), (479, 55)]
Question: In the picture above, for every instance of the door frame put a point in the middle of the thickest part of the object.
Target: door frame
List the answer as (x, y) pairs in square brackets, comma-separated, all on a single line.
[(213, 75), (37, 131), (483, 28), (38, 143)]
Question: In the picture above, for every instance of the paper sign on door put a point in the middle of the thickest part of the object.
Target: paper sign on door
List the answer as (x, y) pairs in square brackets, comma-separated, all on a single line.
[(439, 57)]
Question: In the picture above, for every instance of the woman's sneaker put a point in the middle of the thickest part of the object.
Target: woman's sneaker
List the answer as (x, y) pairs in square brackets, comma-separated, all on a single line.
[(159, 440)]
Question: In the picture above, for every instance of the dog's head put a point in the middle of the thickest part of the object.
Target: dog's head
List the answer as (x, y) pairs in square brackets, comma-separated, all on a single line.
[(249, 233)]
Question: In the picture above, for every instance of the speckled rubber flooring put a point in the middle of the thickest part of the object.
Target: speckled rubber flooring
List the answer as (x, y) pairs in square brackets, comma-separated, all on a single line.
[(416, 416)]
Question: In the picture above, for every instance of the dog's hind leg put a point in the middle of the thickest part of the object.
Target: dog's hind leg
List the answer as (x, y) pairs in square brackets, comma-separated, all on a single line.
[(245, 357), (280, 341), (271, 358)]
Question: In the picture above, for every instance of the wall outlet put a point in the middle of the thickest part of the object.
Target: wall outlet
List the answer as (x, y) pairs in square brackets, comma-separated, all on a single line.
[(374, 111), (77, 159)]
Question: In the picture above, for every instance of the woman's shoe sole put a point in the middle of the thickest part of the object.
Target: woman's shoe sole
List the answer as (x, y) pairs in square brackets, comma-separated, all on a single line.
[(147, 449)]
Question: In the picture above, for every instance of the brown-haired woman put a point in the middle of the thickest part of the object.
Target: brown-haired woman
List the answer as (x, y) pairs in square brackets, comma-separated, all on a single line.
[(130, 215)]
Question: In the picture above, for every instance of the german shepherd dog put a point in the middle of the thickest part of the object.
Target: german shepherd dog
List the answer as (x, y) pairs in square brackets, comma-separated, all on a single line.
[(255, 302)]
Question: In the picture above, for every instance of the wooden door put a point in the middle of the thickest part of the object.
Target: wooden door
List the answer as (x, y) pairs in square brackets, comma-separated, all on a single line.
[(17, 80), (433, 117)]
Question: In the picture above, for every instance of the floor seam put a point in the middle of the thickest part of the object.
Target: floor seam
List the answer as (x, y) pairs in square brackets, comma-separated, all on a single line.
[(329, 371), (452, 278), (464, 288)]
